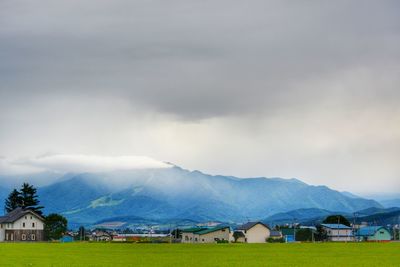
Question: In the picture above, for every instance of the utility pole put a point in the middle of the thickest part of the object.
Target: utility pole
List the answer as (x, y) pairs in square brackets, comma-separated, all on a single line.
[(294, 230), (353, 226), (312, 235), (338, 231), (170, 234)]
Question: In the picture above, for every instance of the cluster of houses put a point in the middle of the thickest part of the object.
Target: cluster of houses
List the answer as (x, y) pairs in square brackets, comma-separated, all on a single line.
[(26, 225), (343, 233), (251, 232), (258, 232)]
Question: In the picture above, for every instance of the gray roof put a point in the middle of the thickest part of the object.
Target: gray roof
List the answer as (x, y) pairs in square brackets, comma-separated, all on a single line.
[(249, 225), (335, 226), (275, 234), (14, 215)]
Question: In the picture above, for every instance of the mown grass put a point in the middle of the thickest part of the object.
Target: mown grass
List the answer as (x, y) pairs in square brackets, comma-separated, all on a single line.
[(109, 254)]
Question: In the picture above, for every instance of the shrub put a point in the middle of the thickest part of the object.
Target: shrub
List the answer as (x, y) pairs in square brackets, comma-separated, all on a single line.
[(275, 240)]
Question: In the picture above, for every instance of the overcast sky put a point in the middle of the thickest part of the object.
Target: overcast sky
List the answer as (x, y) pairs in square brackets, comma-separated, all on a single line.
[(306, 89)]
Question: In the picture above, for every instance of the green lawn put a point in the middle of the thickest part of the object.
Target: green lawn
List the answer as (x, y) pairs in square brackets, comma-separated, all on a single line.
[(105, 254)]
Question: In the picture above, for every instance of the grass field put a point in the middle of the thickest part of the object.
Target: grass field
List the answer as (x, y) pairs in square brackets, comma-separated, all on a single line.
[(106, 254)]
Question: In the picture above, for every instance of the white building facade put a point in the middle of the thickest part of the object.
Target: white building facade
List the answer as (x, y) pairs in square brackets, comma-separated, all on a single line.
[(338, 232), (253, 232), (21, 225)]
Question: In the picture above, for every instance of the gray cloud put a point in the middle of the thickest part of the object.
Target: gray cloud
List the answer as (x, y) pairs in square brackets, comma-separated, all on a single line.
[(283, 81)]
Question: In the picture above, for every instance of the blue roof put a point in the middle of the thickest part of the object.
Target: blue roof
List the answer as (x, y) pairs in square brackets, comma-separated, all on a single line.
[(369, 230), (335, 226)]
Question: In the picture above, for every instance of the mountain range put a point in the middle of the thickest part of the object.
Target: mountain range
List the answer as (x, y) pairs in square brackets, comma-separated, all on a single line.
[(177, 194), (313, 216)]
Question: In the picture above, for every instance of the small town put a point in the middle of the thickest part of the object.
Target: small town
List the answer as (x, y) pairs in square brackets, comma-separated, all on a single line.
[(24, 225)]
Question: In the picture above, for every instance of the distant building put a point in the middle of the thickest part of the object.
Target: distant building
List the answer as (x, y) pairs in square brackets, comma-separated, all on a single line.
[(208, 224), (67, 239), (253, 232), (21, 225), (100, 236), (118, 238), (373, 233), (288, 234), (275, 234), (338, 232), (206, 235)]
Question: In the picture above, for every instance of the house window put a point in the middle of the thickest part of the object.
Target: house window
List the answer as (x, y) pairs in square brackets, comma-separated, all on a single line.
[(33, 224), (25, 217), (223, 230), (33, 237), (195, 239), (12, 236), (381, 232), (186, 238), (7, 236), (31, 217), (245, 240), (23, 225), (202, 240), (23, 237)]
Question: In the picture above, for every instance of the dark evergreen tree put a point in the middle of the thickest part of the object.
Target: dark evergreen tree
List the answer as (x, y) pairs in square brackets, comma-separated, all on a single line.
[(321, 234), (177, 233), (304, 235), (55, 226), (337, 219), (13, 201), (29, 198)]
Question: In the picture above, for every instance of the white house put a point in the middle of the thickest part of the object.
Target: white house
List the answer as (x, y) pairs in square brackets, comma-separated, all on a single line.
[(21, 225), (338, 232), (253, 232)]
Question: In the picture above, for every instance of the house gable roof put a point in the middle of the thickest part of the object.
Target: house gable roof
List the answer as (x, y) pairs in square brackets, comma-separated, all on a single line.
[(203, 230), (275, 234), (17, 213), (369, 230), (336, 226), (210, 230), (250, 225)]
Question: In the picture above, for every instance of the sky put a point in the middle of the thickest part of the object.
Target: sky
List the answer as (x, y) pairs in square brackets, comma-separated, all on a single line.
[(305, 89)]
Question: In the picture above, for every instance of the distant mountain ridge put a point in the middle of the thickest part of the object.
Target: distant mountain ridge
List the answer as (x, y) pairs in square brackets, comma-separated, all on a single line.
[(175, 194), (372, 216), (390, 202)]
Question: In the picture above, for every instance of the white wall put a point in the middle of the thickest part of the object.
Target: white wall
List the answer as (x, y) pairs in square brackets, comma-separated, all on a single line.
[(257, 234), (2, 234), (222, 234), (29, 220)]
